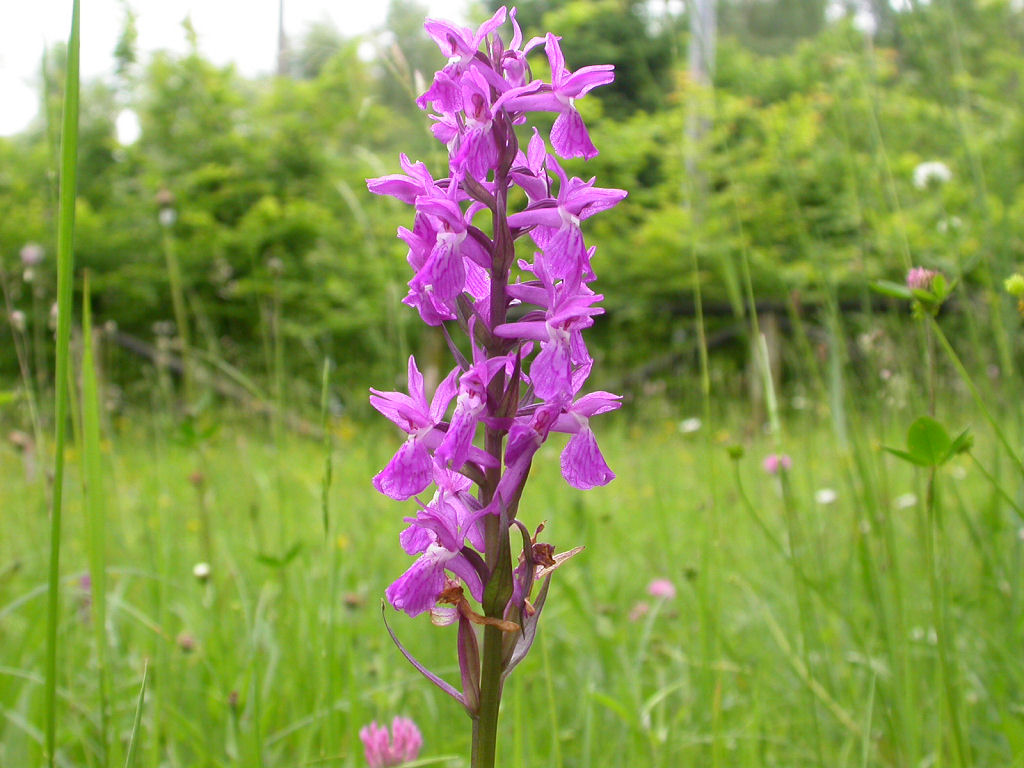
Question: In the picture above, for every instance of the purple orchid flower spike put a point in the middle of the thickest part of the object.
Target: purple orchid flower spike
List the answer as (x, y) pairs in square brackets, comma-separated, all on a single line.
[(525, 371)]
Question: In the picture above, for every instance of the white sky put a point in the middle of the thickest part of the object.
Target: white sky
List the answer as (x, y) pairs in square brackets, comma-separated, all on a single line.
[(242, 31)]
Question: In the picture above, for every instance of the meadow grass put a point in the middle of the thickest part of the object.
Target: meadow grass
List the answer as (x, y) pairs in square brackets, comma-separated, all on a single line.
[(851, 612), (803, 633)]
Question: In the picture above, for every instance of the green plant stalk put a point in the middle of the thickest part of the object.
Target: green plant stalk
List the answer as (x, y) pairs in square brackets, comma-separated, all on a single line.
[(329, 744), (710, 678), (978, 399), (95, 522), (485, 724), (180, 315), (933, 531), (65, 274)]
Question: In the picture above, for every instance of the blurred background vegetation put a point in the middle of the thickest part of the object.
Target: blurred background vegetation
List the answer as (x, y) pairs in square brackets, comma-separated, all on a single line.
[(820, 147)]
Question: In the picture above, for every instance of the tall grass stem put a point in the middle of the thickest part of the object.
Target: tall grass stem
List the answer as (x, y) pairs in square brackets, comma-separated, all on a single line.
[(65, 275)]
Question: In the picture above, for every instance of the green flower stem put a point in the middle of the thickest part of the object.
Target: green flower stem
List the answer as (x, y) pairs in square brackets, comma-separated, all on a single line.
[(933, 537), (485, 724), (978, 399)]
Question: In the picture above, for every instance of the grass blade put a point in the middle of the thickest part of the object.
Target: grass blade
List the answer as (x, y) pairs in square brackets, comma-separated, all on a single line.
[(65, 272), (133, 739), (93, 493)]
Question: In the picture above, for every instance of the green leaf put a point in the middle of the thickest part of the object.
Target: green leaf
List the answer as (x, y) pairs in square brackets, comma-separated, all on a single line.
[(962, 443), (133, 738), (280, 562), (889, 288), (905, 456), (929, 442)]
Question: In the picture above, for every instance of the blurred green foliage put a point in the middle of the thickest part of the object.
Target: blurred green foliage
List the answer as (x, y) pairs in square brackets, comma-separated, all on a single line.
[(805, 171)]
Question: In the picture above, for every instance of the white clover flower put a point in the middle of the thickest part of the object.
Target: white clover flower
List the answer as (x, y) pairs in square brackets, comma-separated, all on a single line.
[(825, 496), (690, 425), (932, 170), (201, 571), (167, 217), (905, 501)]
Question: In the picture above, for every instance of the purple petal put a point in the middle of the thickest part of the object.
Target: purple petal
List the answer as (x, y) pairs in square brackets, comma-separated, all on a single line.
[(444, 129), (551, 373), (462, 568), (396, 185), (529, 99), (569, 136), (409, 472), (448, 272), (399, 408), (454, 448), (535, 329), (433, 312), (548, 216), (451, 39), (536, 152), (586, 202), (443, 396), (416, 384), (415, 539), (555, 57), (583, 466), (478, 281), (597, 402), (489, 26), (444, 93), (585, 79), (478, 154), (418, 588), (565, 252)]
